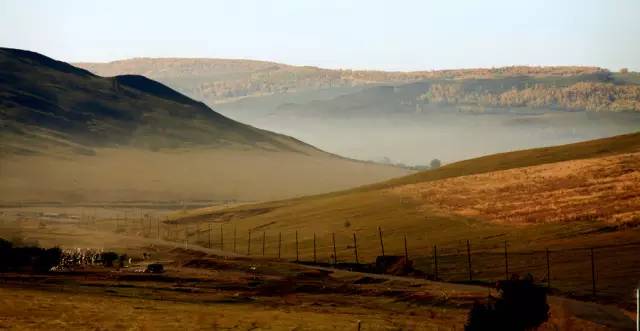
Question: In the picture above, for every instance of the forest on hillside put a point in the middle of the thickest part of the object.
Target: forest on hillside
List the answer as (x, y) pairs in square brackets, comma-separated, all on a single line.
[(223, 80), (590, 95)]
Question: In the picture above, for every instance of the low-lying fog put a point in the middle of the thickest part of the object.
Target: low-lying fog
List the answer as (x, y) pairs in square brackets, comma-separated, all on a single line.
[(446, 134)]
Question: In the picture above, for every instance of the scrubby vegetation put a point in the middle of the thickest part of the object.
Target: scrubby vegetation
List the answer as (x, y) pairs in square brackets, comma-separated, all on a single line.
[(522, 305), (28, 257), (108, 258)]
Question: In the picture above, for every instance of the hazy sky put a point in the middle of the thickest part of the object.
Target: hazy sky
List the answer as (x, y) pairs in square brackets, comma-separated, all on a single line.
[(389, 35)]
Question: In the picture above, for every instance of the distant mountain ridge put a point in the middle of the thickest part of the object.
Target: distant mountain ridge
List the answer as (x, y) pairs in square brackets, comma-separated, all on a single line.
[(593, 92), (44, 101), (222, 80)]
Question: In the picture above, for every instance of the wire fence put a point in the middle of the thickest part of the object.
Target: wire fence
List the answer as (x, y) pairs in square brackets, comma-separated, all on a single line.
[(605, 273)]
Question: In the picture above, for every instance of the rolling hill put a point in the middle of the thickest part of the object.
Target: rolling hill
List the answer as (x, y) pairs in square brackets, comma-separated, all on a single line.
[(607, 149), (69, 135), (431, 114), (565, 198), (223, 80), (41, 96)]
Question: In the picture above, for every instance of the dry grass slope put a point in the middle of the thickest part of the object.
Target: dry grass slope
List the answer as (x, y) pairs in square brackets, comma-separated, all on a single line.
[(604, 188), (488, 200)]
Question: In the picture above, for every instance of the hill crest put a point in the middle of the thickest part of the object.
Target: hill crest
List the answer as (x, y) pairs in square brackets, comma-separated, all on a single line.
[(51, 98)]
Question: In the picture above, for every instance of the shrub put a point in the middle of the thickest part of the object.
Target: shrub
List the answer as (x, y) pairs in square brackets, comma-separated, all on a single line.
[(522, 305), (48, 259), (5, 245), (122, 260), (155, 268), (108, 258), (28, 258)]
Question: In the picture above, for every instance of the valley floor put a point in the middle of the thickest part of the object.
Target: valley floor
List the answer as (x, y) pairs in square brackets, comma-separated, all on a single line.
[(209, 289), (286, 297)]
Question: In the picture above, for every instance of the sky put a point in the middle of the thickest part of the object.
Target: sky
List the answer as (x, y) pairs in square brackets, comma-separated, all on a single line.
[(383, 35)]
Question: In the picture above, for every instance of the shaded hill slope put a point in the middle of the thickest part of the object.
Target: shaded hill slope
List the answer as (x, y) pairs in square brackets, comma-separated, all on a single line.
[(56, 100), (67, 135)]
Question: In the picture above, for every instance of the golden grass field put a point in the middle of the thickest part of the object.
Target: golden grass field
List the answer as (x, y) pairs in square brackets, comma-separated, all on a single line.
[(565, 198), (605, 188), (206, 289)]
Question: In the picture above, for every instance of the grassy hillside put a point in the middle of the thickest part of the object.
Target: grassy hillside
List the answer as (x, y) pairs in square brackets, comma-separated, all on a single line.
[(623, 144), (67, 135), (525, 158), (374, 205), (563, 197), (48, 102)]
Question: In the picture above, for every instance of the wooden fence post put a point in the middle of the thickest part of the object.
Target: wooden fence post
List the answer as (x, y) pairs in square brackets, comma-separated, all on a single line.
[(469, 261), (593, 272), (279, 243), (249, 244), (234, 239), (506, 262), (186, 237), (355, 247), (435, 261), (297, 254), (406, 251), (548, 270), (221, 238), (381, 242), (335, 254), (638, 308)]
